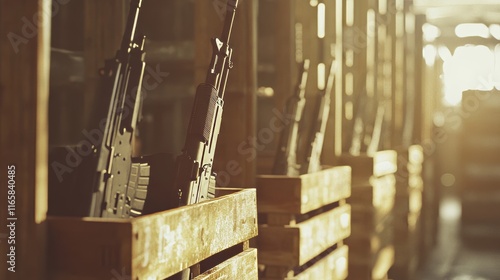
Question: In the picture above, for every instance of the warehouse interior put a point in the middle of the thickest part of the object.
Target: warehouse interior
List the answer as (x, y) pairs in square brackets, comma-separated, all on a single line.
[(250, 139)]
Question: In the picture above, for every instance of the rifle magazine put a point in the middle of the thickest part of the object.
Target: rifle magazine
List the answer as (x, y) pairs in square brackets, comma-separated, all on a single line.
[(138, 188)]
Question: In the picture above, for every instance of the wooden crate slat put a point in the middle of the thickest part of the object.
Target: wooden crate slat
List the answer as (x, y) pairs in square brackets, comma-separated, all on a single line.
[(171, 238), (373, 192), (416, 154), (157, 245), (304, 193), (295, 245), (243, 264), (364, 243), (363, 166), (331, 267)]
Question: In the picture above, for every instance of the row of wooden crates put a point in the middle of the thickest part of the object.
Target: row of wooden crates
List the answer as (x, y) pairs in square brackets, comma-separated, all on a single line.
[(315, 226)]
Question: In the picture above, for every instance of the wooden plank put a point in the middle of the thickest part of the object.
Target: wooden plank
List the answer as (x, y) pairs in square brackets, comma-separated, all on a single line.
[(364, 166), (305, 193), (242, 266), (295, 245), (374, 190), (372, 201), (365, 242), (338, 97), (143, 247), (24, 90), (416, 154), (331, 267)]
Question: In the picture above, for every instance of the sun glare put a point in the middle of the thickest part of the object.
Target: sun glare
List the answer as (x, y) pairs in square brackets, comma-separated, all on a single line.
[(470, 68)]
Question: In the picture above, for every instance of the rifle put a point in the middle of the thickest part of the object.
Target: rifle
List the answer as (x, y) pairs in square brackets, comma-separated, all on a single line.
[(312, 162), (194, 179), (108, 183), (286, 156)]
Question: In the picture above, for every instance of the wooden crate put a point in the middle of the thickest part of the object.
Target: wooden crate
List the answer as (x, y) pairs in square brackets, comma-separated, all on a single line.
[(159, 245), (371, 250), (365, 166), (372, 201), (305, 220), (407, 210)]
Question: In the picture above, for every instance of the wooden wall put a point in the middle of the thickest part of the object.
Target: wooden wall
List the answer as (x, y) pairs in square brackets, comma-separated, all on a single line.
[(24, 74)]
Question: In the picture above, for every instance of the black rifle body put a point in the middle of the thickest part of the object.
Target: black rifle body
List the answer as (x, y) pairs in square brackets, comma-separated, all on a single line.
[(107, 182), (286, 157), (119, 187), (312, 162), (195, 180)]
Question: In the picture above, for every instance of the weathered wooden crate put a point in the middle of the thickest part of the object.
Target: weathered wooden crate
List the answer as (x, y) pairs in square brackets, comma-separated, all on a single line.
[(159, 245), (407, 208), (305, 219), (371, 251), (366, 245), (372, 201), (365, 166)]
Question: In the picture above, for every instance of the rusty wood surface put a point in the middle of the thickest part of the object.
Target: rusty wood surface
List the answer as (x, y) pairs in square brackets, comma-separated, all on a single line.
[(157, 245), (299, 195), (242, 266), (295, 245), (364, 166)]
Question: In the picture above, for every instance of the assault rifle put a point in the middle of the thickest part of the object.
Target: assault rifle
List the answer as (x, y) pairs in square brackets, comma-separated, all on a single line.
[(194, 179), (286, 157), (312, 162), (107, 182)]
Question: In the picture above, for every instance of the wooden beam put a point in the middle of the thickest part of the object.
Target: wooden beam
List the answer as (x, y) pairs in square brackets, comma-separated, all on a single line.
[(399, 75), (235, 165), (24, 83), (285, 59), (419, 63), (340, 80)]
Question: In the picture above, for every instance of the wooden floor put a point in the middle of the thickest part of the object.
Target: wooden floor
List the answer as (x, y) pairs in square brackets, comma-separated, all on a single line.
[(457, 259)]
